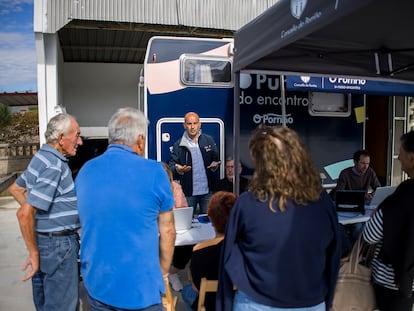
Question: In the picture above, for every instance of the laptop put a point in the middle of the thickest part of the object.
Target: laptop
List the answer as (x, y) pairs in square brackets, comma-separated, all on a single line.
[(183, 218), (350, 201), (380, 194)]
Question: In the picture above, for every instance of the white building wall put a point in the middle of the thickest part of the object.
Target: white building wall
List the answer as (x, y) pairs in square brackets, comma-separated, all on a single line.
[(49, 58), (94, 91)]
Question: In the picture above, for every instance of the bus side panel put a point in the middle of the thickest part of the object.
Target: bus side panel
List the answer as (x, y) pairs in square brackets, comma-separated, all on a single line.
[(329, 139), (206, 102), (170, 49), (167, 97)]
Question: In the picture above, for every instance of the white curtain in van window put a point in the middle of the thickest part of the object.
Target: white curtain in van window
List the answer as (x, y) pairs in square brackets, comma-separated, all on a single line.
[(203, 74)]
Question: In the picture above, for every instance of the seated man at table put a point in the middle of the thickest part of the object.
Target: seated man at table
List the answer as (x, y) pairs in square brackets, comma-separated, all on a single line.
[(206, 255), (226, 183), (360, 176)]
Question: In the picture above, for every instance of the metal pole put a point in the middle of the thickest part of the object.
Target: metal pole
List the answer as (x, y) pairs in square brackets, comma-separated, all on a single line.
[(236, 131), (283, 95)]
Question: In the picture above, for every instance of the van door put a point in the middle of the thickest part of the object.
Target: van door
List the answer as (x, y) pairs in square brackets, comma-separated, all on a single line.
[(169, 130)]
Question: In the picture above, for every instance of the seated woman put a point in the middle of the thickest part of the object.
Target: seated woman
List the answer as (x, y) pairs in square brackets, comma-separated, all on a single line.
[(206, 255), (182, 254)]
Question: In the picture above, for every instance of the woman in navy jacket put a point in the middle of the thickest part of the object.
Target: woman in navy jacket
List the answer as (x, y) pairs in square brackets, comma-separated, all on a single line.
[(282, 243)]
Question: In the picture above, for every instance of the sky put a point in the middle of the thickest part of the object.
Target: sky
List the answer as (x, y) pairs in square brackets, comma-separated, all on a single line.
[(17, 47)]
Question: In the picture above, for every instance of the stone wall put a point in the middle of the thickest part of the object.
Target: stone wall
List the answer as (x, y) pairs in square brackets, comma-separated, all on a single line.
[(16, 157)]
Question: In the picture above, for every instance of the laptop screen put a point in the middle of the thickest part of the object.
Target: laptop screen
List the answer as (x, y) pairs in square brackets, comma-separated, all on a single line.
[(350, 201), (380, 194), (183, 217)]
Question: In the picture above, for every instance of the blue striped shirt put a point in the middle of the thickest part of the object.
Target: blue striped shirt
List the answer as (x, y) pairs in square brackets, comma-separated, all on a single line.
[(382, 274), (200, 182), (50, 189)]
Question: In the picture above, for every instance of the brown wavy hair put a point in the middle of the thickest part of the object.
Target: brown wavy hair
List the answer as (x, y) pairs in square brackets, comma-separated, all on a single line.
[(219, 208), (283, 168)]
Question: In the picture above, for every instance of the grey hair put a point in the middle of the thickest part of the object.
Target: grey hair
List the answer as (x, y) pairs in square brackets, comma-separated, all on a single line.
[(125, 126), (231, 158), (59, 124)]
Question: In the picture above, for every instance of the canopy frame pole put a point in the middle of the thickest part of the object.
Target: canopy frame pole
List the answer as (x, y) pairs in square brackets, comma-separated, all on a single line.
[(283, 96), (390, 69), (236, 131), (377, 65)]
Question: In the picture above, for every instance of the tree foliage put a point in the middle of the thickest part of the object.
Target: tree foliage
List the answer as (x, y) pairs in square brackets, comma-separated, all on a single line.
[(22, 127), (5, 114)]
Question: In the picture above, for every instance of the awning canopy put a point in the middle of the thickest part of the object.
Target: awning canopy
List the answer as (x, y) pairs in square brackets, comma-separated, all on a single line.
[(331, 38), (364, 38)]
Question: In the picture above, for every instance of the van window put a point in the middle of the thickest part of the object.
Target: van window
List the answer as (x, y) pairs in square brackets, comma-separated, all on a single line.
[(329, 104), (196, 70)]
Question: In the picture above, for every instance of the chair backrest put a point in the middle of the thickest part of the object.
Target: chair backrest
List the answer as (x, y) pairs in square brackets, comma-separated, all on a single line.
[(206, 286)]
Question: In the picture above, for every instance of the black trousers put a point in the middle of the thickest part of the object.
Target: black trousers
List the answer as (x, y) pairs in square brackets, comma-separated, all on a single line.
[(182, 255), (392, 300)]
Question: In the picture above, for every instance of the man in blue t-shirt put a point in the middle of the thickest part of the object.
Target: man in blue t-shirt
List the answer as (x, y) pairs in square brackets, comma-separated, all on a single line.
[(48, 218), (125, 208)]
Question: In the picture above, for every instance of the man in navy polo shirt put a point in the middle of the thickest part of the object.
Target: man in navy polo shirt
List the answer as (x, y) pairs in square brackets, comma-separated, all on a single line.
[(48, 218)]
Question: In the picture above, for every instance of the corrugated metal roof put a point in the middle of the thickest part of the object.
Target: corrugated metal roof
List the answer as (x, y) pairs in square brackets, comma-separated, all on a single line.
[(141, 11), (118, 43), (220, 14), (118, 30), (18, 99), (217, 14)]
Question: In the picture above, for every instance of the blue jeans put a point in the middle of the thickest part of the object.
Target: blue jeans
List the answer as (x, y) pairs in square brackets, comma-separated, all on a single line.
[(242, 302), (189, 295), (200, 200), (56, 284), (96, 305)]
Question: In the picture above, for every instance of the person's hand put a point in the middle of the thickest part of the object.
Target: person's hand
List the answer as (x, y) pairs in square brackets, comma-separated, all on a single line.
[(181, 169), (368, 195), (33, 262), (214, 165)]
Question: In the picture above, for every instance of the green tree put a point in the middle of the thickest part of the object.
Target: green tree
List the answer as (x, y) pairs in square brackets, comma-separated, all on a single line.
[(5, 114)]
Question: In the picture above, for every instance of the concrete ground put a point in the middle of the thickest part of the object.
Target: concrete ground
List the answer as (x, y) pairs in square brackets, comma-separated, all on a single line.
[(17, 295), (14, 294)]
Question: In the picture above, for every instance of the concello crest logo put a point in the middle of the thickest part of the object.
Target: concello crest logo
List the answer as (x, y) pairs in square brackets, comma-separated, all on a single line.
[(297, 7), (305, 79)]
